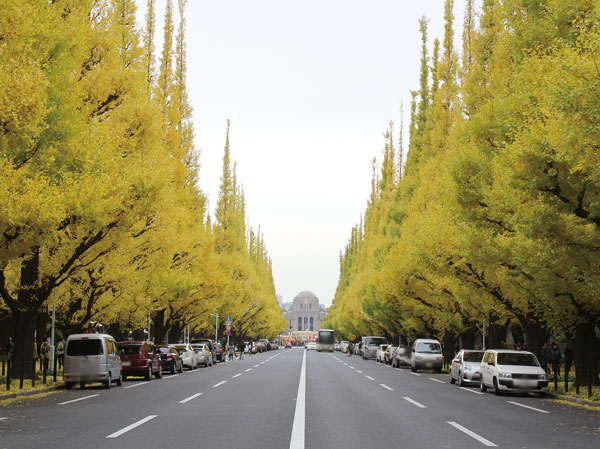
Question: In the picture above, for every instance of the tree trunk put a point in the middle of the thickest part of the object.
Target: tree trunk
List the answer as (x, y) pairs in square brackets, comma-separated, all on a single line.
[(586, 345), (159, 327), (24, 324), (535, 335)]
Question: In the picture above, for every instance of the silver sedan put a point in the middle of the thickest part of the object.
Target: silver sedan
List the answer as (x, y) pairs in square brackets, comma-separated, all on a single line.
[(466, 367)]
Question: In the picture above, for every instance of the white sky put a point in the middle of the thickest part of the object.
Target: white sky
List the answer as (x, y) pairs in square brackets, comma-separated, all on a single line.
[(310, 87)]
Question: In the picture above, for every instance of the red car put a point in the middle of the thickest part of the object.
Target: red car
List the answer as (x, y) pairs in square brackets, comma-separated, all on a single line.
[(139, 358), (288, 344)]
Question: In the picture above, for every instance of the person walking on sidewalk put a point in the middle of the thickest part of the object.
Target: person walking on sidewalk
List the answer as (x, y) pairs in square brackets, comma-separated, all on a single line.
[(555, 351), (45, 353), (10, 349), (60, 353), (241, 347)]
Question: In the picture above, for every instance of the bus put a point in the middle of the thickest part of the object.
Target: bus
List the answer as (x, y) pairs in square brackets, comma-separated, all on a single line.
[(325, 340)]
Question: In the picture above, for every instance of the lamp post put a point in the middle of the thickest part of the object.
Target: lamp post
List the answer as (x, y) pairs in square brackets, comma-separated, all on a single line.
[(216, 326)]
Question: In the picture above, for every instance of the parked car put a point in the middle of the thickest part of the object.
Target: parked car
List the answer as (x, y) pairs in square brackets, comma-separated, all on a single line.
[(426, 354), (344, 346), (203, 354), (380, 355), (91, 358), (465, 367), (310, 345), (170, 359), (219, 353), (369, 346), (208, 342), (288, 345), (260, 347), (139, 358), (401, 357), (188, 355), (264, 342), (507, 370)]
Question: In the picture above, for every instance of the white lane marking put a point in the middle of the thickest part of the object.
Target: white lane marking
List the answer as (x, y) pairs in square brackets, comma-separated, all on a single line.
[(414, 374), (237, 375), (437, 380), (386, 387), (262, 363), (2, 419), (219, 384), (412, 401), (249, 369), (345, 364), (256, 366), (132, 426), (369, 377), (359, 371), (172, 376), (297, 440), (470, 390), (350, 366), (135, 385), (472, 434), (527, 406), (194, 396), (79, 399)]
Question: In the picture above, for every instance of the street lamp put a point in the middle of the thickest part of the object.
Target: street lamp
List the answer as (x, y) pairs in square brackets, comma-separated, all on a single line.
[(216, 326)]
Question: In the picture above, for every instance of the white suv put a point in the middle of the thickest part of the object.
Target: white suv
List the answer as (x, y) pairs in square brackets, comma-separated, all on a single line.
[(506, 370)]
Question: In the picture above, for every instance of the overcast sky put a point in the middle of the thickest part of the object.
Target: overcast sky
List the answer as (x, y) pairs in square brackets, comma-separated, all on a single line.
[(310, 87)]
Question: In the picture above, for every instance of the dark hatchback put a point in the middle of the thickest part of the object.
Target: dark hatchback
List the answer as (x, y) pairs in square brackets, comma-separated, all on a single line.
[(139, 358), (170, 358)]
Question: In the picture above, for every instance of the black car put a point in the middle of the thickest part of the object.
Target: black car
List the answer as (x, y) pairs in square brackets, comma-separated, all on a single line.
[(170, 359)]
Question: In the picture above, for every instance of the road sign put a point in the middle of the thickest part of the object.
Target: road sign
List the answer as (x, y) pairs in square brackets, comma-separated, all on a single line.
[(228, 320), (228, 329)]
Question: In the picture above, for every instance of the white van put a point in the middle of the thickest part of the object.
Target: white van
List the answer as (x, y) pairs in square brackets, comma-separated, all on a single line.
[(426, 354), (92, 358)]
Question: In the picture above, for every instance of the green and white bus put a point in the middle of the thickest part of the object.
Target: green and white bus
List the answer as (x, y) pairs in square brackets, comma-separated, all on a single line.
[(325, 340)]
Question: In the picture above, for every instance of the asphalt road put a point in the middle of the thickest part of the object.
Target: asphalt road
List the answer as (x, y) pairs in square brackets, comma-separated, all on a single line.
[(295, 399)]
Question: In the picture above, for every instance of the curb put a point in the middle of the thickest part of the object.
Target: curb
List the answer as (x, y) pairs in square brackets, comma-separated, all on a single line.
[(32, 392), (574, 400)]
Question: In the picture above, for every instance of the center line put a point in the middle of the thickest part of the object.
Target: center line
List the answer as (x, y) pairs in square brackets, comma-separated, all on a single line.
[(297, 440), (369, 377), (437, 380), (132, 426), (237, 375), (256, 366), (345, 364), (414, 402), (470, 391), (527, 406), (414, 374), (194, 396), (386, 387), (359, 371), (135, 385), (219, 384), (79, 399), (249, 369), (472, 434)]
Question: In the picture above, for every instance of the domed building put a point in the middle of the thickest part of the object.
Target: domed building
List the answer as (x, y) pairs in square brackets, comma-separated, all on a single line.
[(305, 314)]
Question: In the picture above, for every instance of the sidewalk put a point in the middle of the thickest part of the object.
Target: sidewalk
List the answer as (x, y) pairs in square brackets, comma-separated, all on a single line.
[(563, 397), (58, 386)]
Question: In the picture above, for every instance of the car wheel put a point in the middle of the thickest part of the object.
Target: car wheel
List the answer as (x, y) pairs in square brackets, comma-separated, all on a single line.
[(148, 375), (452, 380), (108, 381), (159, 372), (68, 385), (174, 367), (120, 380), (482, 386), (497, 391), (542, 394)]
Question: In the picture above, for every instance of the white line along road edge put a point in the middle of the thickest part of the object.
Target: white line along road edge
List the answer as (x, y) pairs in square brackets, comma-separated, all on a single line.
[(527, 406), (79, 399), (472, 434), (297, 440), (131, 427)]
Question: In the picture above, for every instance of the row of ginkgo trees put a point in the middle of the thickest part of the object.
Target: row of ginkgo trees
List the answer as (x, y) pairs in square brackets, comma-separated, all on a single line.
[(99, 201), (494, 219)]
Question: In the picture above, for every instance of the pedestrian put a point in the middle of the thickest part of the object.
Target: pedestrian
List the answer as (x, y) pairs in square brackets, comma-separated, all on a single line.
[(546, 356), (231, 352), (556, 355), (60, 353), (45, 353), (569, 356), (250, 345), (10, 349), (241, 348)]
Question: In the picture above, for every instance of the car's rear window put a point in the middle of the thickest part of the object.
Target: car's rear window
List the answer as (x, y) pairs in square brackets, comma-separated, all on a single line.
[(163, 350), (429, 348), (473, 356), (515, 358), (129, 349), (84, 347), (374, 341)]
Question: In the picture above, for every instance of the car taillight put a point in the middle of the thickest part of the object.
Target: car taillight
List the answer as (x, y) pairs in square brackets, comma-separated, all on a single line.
[(169, 356)]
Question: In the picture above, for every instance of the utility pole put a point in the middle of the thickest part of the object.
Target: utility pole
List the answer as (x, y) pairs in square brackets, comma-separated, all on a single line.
[(216, 326), (52, 352)]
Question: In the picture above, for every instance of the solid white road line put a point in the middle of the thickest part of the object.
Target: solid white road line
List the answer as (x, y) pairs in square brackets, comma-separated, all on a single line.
[(237, 375), (414, 374), (79, 399), (297, 440), (249, 369), (412, 401), (369, 377), (194, 396), (527, 406), (171, 377), (135, 385), (219, 384), (437, 380), (386, 387), (132, 426), (470, 390), (359, 371), (472, 434)]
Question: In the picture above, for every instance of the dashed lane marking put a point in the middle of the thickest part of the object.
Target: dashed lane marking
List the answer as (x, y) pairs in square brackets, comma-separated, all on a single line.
[(249, 369), (172, 376), (369, 377), (131, 427), (386, 387), (472, 434), (359, 371), (470, 390), (194, 396), (412, 401), (256, 366), (527, 406), (219, 384), (414, 374), (437, 380), (79, 399), (237, 375), (135, 385)]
